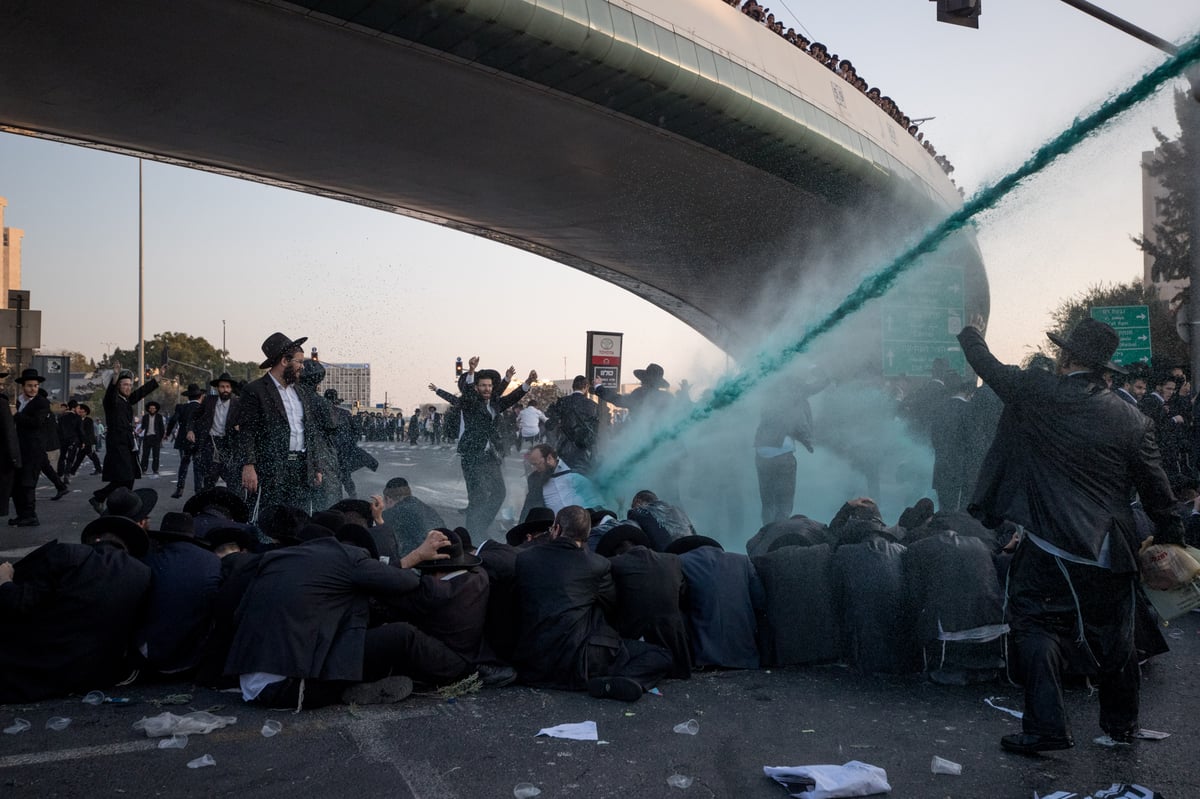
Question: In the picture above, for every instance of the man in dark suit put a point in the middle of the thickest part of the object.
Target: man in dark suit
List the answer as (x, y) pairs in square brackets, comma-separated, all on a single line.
[(154, 429), (120, 457), (10, 451), (1130, 387), (564, 591), (1168, 425), (70, 428), (213, 435), (1067, 456), (87, 440), (68, 611), (180, 426), (277, 430), (481, 445), (33, 410), (573, 423)]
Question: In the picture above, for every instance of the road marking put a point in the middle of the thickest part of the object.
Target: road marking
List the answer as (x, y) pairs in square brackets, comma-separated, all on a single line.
[(106, 750), (420, 776)]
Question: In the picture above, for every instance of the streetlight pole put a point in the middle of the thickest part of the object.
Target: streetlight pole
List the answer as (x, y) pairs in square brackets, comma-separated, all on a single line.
[(222, 346), (141, 373)]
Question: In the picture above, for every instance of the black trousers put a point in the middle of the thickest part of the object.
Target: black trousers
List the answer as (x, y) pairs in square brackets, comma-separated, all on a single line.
[(66, 456), (283, 482), (485, 491), (1045, 623), (185, 459), (641, 662), (215, 460), (52, 475), (24, 493), (102, 493), (85, 451), (776, 486), (151, 447)]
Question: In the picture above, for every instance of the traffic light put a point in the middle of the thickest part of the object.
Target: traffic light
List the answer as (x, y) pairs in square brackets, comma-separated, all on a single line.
[(458, 367), (960, 12)]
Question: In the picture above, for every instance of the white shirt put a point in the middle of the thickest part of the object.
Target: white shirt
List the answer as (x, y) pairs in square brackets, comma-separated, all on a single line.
[(295, 414), (529, 421), (220, 414)]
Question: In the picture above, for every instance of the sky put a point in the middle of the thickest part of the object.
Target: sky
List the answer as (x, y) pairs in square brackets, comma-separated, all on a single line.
[(235, 258)]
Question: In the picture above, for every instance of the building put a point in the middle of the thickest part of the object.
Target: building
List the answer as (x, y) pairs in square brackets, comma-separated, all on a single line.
[(1154, 194), (10, 256), (352, 381)]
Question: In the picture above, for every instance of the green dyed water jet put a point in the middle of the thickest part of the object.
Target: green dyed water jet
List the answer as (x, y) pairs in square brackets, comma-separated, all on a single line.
[(732, 389)]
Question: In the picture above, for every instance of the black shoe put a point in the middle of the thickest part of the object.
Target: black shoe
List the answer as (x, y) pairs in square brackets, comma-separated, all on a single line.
[(619, 688), (1027, 743), (496, 676), (62, 492), (26, 521), (97, 505), (178, 493), (12, 521)]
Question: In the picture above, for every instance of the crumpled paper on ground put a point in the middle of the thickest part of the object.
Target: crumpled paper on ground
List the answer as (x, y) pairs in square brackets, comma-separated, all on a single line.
[(578, 731), (1114, 791), (854, 778), (199, 722)]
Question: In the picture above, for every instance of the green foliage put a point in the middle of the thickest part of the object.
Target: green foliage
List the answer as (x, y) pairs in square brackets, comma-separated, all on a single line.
[(1168, 347), (1176, 169), (188, 359)]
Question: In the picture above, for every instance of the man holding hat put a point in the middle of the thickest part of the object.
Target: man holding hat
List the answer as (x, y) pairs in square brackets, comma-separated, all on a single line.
[(279, 440), (120, 457), (1067, 456), (480, 446), (33, 411), (213, 432), (154, 429), (180, 425)]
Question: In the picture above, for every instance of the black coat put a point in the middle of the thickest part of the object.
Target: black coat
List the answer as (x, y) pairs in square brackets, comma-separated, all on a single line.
[(949, 437), (30, 422), (649, 588), (500, 563), (120, 461), (453, 611), (1067, 456), (410, 520), (264, 433), (305, 613), (480, 426), (563, 593), (67, 620), (574, 423), (70, 427), (153, 425), (181, 422)]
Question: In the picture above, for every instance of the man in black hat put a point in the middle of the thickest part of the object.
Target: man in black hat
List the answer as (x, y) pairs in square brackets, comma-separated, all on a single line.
[(120, 458), (67, 612), (350, 456), (87, 440), (213, 433), (154, 429), (33, 412), (480, 446), (217, 508), (70, 428), (277, 424), (1067, 456), (10, 450), (408, 518), (564, 591), (651, 397), (180, 426)]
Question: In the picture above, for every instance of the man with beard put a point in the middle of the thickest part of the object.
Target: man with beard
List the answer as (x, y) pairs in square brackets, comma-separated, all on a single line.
[(181, 421), (32, 412), (212, 433), (276, 425), (480, 445), (154, 430), (120, 457)]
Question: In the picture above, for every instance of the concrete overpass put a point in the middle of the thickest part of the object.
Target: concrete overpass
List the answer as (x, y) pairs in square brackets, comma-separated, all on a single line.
[(673, 147)]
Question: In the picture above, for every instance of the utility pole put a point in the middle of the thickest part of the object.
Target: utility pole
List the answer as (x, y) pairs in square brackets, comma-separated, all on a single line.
[(141, 372)]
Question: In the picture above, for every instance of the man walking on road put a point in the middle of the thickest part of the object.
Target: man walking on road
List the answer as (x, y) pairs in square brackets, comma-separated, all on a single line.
[(1067, 456), (120, 454)]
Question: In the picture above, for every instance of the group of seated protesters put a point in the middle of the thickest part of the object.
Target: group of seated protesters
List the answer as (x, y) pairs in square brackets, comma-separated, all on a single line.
[(843, 69), (303, 611)]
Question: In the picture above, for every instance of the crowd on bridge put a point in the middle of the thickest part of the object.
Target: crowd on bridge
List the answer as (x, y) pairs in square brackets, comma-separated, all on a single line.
[(844, 69), (277, 586)]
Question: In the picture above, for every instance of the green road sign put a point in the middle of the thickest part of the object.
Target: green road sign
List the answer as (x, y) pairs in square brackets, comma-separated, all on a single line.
[(1132, 323), (919, 321)]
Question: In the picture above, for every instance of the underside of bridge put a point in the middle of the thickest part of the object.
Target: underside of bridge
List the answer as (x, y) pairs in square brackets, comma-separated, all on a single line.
[(428, 110)]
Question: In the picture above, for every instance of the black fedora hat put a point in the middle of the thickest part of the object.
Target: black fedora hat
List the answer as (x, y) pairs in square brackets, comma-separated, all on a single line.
[(278, 345), (488, 374), (231, 535), (128, 531), (176, 526), (1092, 343), (221, 499), (332, 395), (331, 520), (689, 542), (359, 507), (136, 504), (618, 535), (358, 536), (225, 377), (459, 557), (153, 404), (537, 521), (29, 374), (652, 375), (193, 391)]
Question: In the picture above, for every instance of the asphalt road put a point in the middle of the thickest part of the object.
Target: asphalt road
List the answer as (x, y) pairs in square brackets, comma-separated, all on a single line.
[(483, 744)]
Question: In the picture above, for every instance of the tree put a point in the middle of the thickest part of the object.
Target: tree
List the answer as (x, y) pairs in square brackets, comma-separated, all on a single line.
[(1175, 168), (185, 358), (1168, 348)]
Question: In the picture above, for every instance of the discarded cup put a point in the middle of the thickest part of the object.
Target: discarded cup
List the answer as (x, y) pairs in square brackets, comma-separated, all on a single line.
[(174, 742), (58, 723), (271, 727), (18, 725), (524, 790), (679, 781), (94, 698), (201, 762), (689, 727), (939, 765)]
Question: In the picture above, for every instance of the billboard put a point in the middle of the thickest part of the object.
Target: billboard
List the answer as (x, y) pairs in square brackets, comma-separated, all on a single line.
[(604, 359)]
